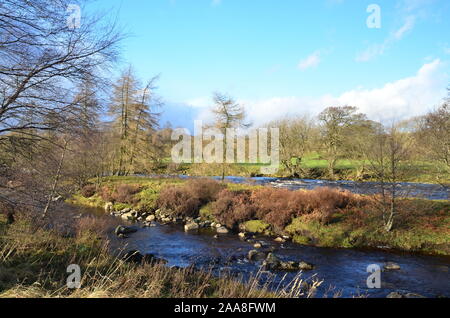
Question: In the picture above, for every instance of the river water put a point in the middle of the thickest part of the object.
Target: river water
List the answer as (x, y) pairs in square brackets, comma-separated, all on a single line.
[(343, 271), (405, 189)]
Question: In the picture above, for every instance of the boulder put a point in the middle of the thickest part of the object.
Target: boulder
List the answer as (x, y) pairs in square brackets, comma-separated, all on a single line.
[(243, 235), (150, 218), (255, 255), (394, 295), (304, 266), (109, 207), (414, 295), (257, 245), (390, 266), (222, 230), (288, 266), (128, 216), (121, 229), (280, 240), (191, 227), (271, 262)]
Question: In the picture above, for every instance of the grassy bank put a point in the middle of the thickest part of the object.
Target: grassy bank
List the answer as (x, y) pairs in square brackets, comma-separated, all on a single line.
[(322, 217), (33, 263), (313, 166)]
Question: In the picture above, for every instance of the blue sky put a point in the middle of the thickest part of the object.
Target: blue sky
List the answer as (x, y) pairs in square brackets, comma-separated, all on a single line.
[(289, 56)]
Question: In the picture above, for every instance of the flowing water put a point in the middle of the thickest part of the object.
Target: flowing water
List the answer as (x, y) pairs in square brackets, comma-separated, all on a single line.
[(404, 189), (342, 270)]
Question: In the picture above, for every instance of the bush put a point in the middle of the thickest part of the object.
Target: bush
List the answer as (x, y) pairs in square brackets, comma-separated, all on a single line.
[(233, 208), (88, 190), (274, 206), (186, 200), (178, 202), (206, 190), (123, 193)]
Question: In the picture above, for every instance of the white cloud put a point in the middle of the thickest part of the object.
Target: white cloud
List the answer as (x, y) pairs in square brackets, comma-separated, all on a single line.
[(396, 100), (377, 49), (407, 26), (311, 61)]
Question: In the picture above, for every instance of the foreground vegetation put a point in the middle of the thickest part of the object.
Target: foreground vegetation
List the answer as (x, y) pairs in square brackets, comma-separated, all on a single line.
[(33, 263), (321, 217)]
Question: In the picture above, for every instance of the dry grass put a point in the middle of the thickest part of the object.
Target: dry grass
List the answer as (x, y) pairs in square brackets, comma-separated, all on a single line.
[(279, 206), (33, 263)]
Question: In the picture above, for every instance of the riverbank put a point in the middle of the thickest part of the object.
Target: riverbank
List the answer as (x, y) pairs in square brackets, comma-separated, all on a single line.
[(34, 263), (312, 167), (324, 218)]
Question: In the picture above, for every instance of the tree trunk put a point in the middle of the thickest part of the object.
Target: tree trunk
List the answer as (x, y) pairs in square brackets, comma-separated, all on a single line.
[(55, 182)]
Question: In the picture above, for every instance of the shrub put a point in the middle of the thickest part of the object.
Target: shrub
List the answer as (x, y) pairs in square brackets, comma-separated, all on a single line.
[(123, 193), (206, 190), (234, 207), (274, 206), (179, 202), (106, 193), (186, 200), (88, 190)]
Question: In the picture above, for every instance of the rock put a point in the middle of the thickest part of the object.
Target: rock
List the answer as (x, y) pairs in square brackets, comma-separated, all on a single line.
[(128, 216), (389, 266), (122, 236), (304, 266), (216, 236), (125, 230), (288, 266), (191, 227), (255, 255), (243, 235), (167, 220), (394, 295), (222, 230), (280, 240), (213, 224), (271, 262), (257, 245), (109, 207), (126, 210), (218, 225), (150, 218), (413, 295)]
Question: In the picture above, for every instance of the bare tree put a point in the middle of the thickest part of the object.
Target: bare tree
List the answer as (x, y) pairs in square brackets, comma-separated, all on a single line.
[(296, 139), (42, 61), (387, 153), (228, 114), (335, 121), (434, 136)]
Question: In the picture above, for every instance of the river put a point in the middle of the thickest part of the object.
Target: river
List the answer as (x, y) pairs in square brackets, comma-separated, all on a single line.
[(343, 271)]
